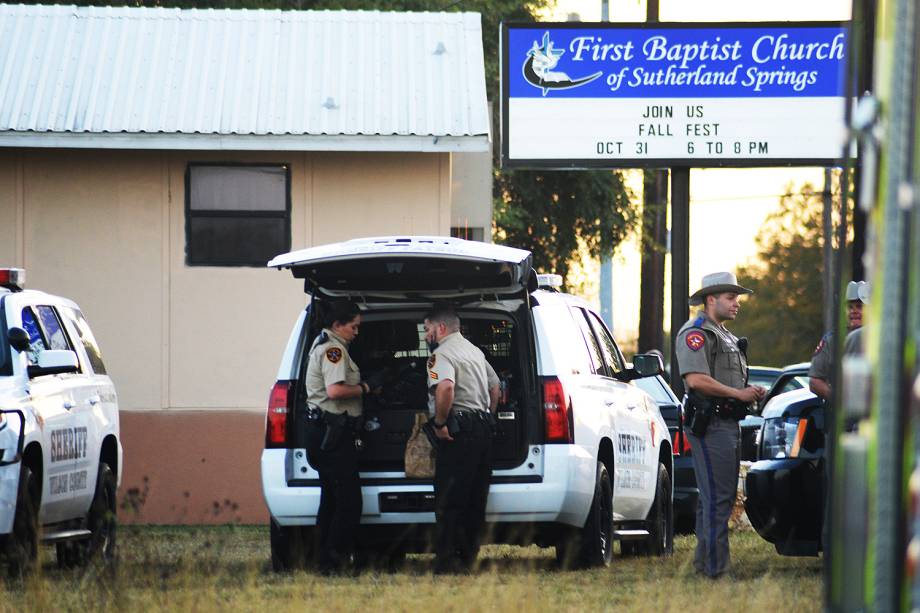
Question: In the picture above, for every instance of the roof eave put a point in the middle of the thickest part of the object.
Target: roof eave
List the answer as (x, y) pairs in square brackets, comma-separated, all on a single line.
[(247, 142)]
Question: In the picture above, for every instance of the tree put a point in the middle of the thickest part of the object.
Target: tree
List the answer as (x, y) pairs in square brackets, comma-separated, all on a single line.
[(556, 213), (783, 319)]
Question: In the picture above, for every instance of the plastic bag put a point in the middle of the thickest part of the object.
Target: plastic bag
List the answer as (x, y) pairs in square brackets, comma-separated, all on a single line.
[(419, 458)]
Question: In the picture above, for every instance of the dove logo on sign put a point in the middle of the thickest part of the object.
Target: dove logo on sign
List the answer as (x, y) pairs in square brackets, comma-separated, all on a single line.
[(539, 68)]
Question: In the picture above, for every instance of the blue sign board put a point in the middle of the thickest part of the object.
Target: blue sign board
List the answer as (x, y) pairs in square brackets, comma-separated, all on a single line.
[(606, 94)]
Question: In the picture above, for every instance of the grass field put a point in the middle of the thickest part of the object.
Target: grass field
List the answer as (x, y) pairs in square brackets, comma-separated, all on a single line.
[(227, 568)]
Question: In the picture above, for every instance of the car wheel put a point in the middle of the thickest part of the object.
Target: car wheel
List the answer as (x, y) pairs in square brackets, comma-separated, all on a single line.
[(22, 544), (660, 520), (597, 535), (291, 546), (101, 520)]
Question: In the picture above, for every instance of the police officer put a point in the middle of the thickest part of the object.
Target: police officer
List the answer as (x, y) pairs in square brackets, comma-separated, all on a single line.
[(464, 391), (823, 359), (714, 368), (334, 393)]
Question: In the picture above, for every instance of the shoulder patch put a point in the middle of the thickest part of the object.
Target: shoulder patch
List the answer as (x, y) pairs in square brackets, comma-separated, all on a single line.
[(431, 360), (820, 345), (334, 354), (433, 375), (695, 340)]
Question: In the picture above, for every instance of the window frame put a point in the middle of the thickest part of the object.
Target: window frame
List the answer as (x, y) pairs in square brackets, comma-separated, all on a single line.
[(226, 214), (596, 354)]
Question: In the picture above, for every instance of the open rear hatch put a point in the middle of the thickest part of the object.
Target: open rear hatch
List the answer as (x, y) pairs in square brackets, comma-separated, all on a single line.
[(417, 267)]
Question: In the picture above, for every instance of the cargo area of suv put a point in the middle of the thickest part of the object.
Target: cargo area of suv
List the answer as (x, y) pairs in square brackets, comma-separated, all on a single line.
[(391, 347)]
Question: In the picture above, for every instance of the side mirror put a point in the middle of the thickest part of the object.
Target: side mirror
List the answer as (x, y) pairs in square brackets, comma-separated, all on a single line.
[(19, 339), (54, 362), (644, 365), (647, 365)]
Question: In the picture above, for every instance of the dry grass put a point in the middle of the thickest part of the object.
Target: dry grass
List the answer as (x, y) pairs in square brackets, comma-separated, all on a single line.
[(227, 568)]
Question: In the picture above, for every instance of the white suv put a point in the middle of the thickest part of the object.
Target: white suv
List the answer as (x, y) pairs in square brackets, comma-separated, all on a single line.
[(582, 456), (60, 455)]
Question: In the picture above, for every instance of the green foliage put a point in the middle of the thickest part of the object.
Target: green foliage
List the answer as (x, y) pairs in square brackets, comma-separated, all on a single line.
[(783, 319), (556, 213)]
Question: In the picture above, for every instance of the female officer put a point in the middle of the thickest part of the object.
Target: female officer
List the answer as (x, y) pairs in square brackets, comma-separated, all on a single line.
[(334, 387)]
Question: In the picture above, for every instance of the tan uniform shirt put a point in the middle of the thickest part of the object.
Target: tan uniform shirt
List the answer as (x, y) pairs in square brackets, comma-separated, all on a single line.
[(705, 347), (330, 363), (458, 360)]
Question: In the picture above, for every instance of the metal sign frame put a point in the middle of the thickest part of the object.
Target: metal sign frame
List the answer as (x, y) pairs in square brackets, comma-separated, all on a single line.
[(634, 162)]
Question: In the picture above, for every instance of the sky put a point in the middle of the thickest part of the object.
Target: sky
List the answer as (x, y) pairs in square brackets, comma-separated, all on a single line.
[(728, 206)]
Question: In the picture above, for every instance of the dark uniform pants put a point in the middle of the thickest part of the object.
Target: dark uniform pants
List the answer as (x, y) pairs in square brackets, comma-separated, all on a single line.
[(463, 469), (716, 461), (340, 498)]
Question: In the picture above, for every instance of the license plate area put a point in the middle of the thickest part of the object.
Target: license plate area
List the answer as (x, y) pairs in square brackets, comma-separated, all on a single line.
[(406, 502)]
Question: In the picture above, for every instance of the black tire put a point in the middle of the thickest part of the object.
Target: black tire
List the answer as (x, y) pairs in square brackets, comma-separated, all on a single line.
[(597, 535), (291, 547), (661, 518), (22, 544), (101, 520)]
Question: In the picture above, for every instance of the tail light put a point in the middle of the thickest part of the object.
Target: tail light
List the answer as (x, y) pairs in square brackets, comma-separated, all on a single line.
[(680, 444), (558, 414), (277, 419)]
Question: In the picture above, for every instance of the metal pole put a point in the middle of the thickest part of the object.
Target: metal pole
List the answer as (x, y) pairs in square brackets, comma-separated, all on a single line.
[(680, 263), (828, 231)]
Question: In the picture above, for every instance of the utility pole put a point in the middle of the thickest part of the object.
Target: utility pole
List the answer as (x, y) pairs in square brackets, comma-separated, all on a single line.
[(653, 233), (605, 289)]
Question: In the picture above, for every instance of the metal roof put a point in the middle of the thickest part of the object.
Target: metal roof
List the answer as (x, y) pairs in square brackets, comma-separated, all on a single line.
[(157, 78)]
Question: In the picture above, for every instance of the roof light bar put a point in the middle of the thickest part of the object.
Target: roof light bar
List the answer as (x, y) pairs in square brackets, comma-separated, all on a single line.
[(549, 280), (13, 278)]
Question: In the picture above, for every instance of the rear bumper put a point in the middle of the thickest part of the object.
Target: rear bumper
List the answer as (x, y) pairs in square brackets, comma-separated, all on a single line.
[(560, 494), (785, 501)]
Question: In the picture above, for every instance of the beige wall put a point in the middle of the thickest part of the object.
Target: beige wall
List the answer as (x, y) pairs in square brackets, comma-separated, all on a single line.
[(108, 229)]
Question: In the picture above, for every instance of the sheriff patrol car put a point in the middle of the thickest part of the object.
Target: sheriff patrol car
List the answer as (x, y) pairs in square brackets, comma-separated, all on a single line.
[(581, 456), (60, 454)]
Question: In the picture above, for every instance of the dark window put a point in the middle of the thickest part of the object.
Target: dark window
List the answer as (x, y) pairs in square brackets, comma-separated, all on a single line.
[(54, 332), (37, 342), (87, 338), (6, 351), (608, 346), (237, 215), (593, 348)]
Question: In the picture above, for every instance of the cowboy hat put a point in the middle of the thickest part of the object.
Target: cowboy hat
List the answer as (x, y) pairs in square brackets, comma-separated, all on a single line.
[(717, 283)]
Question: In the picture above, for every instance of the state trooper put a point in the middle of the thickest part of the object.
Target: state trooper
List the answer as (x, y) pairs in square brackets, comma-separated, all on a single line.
[(464, 392), (334, 399), (713, 364), (822, 361)]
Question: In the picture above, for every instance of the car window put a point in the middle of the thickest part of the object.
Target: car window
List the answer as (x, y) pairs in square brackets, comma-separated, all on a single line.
[(761, 380), (57, 339), (37, 342), (568, 348), (6, 355), (608, 346), (594, 348), (86, 338), (654, 387)]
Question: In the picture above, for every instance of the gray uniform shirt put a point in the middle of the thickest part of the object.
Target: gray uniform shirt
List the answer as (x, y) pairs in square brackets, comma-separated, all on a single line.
[(822, 360), (853, 343), (330, 363), (458, 360), (705, 347)]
